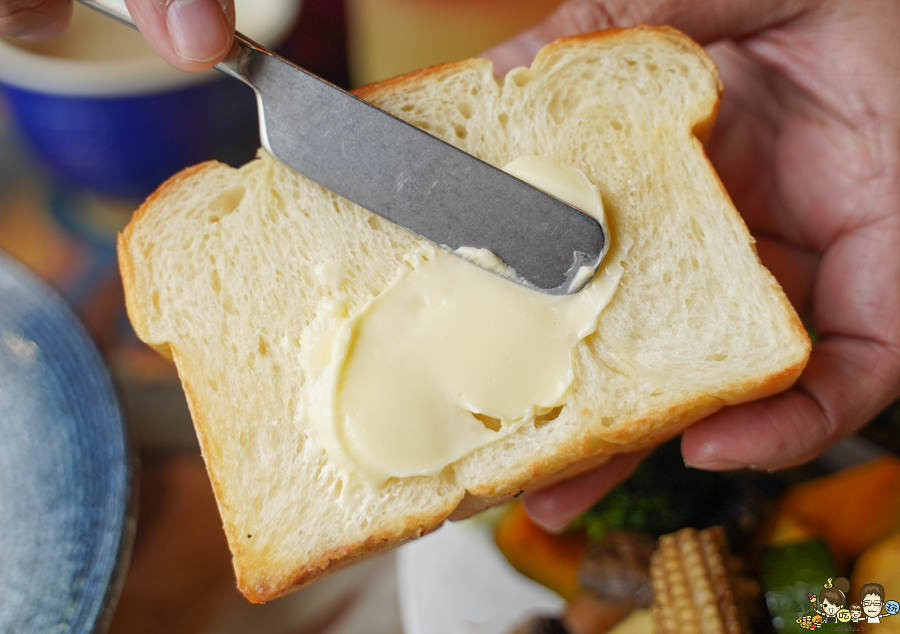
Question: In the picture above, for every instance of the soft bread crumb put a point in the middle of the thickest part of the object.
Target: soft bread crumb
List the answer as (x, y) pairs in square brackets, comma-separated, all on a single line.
[(219, 271)]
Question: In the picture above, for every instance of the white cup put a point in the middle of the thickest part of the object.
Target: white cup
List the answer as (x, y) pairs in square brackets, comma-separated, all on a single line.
[(103, 112)]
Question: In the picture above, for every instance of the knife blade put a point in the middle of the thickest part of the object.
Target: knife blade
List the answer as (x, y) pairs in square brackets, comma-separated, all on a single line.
[(406, 175)]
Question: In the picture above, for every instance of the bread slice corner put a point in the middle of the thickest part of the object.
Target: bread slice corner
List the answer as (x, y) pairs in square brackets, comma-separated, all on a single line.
[(219, 269)]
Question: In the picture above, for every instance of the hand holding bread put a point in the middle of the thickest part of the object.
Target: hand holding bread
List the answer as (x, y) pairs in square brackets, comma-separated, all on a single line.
[(806, 146), (255, 280)]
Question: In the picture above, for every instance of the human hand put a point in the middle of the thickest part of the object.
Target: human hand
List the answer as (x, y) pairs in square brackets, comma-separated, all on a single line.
[(191, 35), (808, 145)]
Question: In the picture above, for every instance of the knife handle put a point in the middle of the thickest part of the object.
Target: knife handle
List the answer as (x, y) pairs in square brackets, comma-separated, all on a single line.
[(235, 63)]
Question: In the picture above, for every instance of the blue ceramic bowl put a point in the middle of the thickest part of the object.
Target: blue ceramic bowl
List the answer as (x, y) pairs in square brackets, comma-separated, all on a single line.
[(126, 146), (102, 111)]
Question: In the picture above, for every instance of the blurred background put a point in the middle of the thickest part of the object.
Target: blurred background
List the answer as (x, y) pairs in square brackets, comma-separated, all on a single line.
[(89, 126)]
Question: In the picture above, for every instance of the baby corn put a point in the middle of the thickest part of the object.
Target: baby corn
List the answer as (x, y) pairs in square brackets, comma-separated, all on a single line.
[(692, 590)]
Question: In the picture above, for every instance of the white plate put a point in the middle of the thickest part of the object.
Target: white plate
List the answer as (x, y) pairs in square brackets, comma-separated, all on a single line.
[(456, 581)]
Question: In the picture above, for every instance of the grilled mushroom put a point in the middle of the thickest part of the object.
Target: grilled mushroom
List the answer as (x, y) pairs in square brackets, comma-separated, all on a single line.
[(617, 569)]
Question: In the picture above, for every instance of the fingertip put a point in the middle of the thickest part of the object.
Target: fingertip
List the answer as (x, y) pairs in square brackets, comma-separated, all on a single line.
[(544, 513), (721, 443), (191, 35), (555, 507), (706, 451), (548, 525), (200, 32), (775, 433)]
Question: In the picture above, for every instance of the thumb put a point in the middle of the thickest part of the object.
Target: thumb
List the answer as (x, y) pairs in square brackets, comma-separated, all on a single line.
[(705, 21), (191, 35)]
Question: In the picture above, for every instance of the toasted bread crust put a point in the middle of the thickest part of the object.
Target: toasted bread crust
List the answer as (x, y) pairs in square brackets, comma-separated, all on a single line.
[(261, 588), (262, 577)]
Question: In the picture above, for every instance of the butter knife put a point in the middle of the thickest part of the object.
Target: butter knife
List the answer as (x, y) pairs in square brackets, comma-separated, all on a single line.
[(406, 175)]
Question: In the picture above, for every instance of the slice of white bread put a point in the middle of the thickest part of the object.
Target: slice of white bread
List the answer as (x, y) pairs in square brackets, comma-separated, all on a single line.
[(219, 267)]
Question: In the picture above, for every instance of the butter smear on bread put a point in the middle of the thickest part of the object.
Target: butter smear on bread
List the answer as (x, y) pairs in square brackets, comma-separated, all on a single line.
[(451, 357), (273, 296)]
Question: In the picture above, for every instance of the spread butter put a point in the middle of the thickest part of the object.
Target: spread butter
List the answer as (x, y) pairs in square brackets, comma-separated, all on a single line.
[(451, 357)]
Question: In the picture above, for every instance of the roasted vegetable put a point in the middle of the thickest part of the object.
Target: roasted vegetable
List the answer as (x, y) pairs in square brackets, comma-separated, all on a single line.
[(617, 569), (784, 529), (693, 590), (881, 564), (615, 579), (850, 509), (589, 614), (638, 622), (662, 496), (548, 559)]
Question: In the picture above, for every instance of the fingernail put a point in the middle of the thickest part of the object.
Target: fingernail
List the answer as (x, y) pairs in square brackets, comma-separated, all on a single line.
[(715, 465), (198, 29), (554, 525)]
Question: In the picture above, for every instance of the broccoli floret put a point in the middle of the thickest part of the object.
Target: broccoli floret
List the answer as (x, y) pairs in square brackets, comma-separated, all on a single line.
[(662, 496)]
